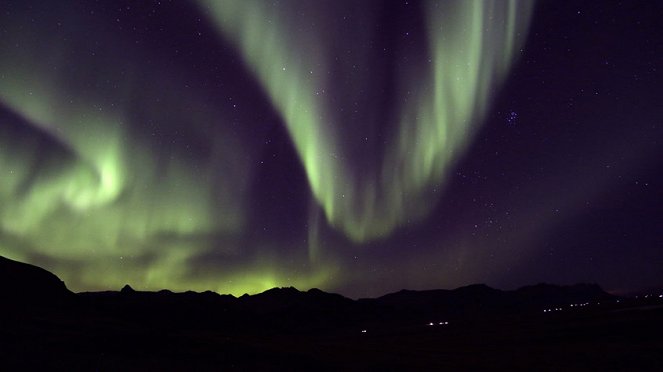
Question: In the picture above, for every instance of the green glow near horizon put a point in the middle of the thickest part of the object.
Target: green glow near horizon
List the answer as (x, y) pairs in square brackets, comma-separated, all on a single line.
[(87, 193), (99, 204), (471, 45)]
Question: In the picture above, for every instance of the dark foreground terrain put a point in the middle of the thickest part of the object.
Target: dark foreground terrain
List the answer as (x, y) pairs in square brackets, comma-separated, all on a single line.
[(544, 327)]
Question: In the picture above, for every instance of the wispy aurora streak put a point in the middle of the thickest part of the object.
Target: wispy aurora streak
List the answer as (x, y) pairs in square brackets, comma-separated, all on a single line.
[(289, 47), (84, 192), (89, 192)]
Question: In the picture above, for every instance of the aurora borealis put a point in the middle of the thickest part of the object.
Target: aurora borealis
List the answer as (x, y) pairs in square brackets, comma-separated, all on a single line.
[(469, 47), (359, 147)]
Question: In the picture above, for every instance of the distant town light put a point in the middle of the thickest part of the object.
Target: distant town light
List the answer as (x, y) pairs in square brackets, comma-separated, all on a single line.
[(363, 331)]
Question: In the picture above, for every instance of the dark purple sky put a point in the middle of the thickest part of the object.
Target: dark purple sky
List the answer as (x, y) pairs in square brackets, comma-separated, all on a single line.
[(156, 144)]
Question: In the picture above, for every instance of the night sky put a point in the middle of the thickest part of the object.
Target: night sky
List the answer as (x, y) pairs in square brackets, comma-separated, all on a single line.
[(360, 147)]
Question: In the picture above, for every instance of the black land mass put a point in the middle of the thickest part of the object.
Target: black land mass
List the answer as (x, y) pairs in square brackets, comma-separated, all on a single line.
[(43, 325)]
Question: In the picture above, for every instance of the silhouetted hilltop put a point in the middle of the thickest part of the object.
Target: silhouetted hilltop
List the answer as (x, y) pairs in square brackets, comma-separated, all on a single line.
[(127, 289), (27, 287), (280, 299), (550, 326), (480, 301), (291, 308)]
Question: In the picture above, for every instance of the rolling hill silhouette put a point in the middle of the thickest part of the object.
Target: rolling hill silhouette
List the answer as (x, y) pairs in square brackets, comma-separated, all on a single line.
[(25, 287), (544, 325)]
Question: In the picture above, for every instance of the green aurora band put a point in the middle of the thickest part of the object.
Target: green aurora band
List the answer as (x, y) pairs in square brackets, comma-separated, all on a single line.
[(471, 44), (88, 195)]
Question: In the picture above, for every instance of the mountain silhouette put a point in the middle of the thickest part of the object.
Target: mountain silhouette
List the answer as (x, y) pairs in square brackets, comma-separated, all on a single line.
[(24, 284), (25, 287), (543, 325), (127, 289)]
